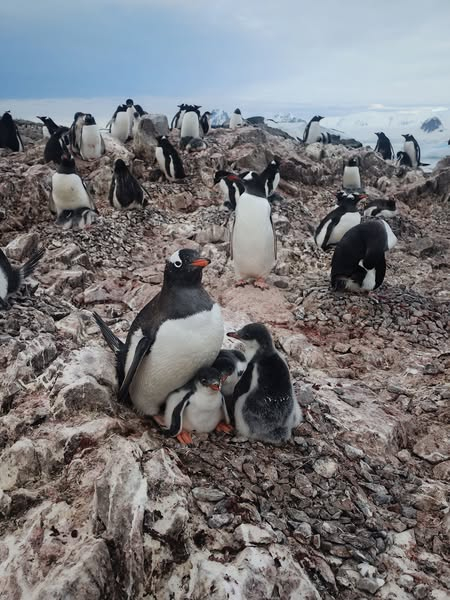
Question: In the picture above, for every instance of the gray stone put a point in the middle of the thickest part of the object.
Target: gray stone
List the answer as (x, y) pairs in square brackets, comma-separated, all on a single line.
[(208, 494)]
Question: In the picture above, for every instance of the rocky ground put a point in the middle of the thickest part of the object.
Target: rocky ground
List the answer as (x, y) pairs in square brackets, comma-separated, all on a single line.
[(97, 503)]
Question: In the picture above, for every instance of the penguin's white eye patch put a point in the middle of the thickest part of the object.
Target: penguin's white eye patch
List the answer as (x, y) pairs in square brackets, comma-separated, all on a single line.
[(176, 260)]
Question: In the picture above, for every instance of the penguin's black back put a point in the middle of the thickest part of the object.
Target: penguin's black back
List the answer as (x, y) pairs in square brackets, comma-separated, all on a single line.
[(56, 145), (128, 189), (170, 152), (9, 134)]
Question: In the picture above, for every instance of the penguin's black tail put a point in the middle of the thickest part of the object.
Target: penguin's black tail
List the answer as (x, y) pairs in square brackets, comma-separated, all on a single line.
[(112, 340), (424, 164), (26, 269)]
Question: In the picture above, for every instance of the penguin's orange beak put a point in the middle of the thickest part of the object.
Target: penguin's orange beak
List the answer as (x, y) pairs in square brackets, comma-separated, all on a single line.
[(200, 262), (215, 387), (234, 335)]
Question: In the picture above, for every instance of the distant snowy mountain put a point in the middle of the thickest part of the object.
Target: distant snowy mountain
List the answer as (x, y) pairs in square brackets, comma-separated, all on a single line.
[(287, 118), (431, 125), (219, 117)]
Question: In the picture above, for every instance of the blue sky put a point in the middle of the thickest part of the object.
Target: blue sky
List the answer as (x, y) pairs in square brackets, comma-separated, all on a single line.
[(324, 52)]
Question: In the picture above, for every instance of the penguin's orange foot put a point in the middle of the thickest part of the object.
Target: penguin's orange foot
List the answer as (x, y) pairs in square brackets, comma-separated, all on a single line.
[(160, 420), (225, 427), (261, 284), (241, 283), (184, 437)]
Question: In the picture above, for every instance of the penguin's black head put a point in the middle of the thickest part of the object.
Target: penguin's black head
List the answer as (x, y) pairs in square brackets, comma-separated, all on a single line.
[(209, 377), (185, 267), (390, 204), (350, 200), (161, 139), (352, 162), (89, 120), (7, 118), (77, 115), (67, 164), (237, 111), (254, 184), (255, 337), (220, 174), (225, 364), (408, 137), (138, 108), (120, 166), (129, 102), (317, 118)]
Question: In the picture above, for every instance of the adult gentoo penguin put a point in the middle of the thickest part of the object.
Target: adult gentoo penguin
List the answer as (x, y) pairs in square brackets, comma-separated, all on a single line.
[(412, 149), (351, 179), (49, 126), (335, 225), (91, 142), (179, 331), (190, 126), (205, 122), (358, 262), (120, 124), (169, 160), (75, 132), (9, 134), (11, 279), (253, 240), (178, 117), (265, 406), (236, 119), (196, 406), (384, 146), (312, 131), (381, 208), (125, 190), (231, 187), (71, 202), (271, 176), (57, 144)]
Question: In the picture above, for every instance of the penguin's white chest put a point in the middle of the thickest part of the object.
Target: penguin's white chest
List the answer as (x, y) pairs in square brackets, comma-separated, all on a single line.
[(346, 222), (391, 237), (368, 283), (120, 127), (411, 152), (351, 178), (241, 424), (3, 285), (314, 133), (203, 412), (130, 113), (68, 192), (91, 142), (181, 347), (161, 160), (190, 125), (253, 240), (235, 121)]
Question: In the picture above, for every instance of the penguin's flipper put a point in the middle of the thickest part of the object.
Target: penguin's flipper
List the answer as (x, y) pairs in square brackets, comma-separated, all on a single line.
[(111, 339), (231, 236), (111, 191), (274, 238), (142, 348), (176, 423), (225, 409)]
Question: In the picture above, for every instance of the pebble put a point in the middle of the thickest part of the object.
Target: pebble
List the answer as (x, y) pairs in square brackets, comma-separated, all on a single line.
[(208, 494)]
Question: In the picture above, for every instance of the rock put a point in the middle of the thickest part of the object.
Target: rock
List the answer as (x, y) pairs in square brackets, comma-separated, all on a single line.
[(251, 534), (19, 465), (265, 306), (325, 467), (442, 471), (22, 246), (208, 494), (160, 123), (370, 584), (431, 497), (145, 142), (433, 447), (5, 504)]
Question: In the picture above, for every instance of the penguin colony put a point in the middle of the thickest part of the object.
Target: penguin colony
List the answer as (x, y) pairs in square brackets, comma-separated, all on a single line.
[(172, 366)]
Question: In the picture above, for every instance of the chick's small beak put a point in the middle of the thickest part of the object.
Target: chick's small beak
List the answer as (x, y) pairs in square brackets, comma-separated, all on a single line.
[(234, 335), (215, 386), (200, 262)]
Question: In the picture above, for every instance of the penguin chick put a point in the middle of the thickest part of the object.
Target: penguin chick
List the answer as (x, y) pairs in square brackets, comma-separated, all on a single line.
[(125, 190), (169, 160), (197, 406), (335, 225), (231, 187), (265, 406), (381, 208), (191, 144), (11, 279), (232, 364)]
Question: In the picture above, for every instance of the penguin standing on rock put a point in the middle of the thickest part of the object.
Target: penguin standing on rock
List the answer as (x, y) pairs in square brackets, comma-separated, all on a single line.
[(92, 145), (130, 112), (384, 146), (190, 126), (381, 208), (335, 225), (120, 124), (358, 262), (271, 177), (412, 149), (253, 240), (75, 132), (71, 202), (231, 187), (197, 406), (125, 190), (205, 122), (49, 127), (11, 279), (236, 119), (265, 406), (312, 131), (178, 332), (351, 179), (9, 134), (57, 144), (169, 160)]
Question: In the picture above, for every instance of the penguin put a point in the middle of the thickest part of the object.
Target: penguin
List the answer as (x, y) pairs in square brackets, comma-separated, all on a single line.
[(125, 191), (271, 177), (253, 241), (351, 179), (73, 205), (190, 126), (179, 331), (196, 406), (412, 149), (381, 208), (191, 144), (265, 406), (57, 144), (168, 159), (231, 187), (236, 119), (91, 141), (178, 117), (312, 131), (384, 146), (120, 124), (130, 112), (403, 160), (232, 365), (9, 134), (358, 262), (205, 122), (139, 112), (49, 127), (11, 279), (335, 225), (75, 132)]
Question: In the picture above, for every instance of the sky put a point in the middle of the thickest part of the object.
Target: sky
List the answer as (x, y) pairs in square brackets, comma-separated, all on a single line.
[(290, 52)]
